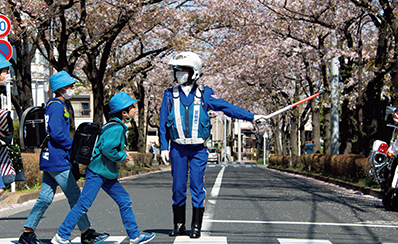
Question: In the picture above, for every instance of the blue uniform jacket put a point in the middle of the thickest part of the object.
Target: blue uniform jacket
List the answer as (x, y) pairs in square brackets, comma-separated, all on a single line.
[(212, 102), (56, 156), (109, 149)]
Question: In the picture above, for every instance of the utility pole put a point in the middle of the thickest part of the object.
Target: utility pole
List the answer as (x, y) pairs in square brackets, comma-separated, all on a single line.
[(225, 138), (265, 147), (50, 56), (239, 141), (334, 70)]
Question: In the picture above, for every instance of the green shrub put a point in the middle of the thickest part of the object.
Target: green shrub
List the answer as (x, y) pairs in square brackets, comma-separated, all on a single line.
[(15, 135)]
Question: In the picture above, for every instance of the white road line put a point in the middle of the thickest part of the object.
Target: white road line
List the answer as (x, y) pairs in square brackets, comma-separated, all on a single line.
[(9, 240), (302, 241), (305, 223), (209, 208), (110, 240), (201, 240)]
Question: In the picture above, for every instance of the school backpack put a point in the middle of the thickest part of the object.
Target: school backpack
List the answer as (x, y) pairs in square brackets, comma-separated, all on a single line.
[(84, 142), (32, 127)]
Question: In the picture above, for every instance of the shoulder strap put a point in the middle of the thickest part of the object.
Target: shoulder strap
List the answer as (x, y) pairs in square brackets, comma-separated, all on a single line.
[(199, 94), (113, 122)]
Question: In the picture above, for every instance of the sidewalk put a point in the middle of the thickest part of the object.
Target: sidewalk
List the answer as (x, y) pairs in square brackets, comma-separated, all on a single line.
[(10, 199)]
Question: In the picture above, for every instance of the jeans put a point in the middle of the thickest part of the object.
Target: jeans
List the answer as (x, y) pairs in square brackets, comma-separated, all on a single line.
[(90, 190), (50, 181)]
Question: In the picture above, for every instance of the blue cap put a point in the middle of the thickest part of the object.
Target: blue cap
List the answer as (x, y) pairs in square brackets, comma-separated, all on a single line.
[(59, 80), (3, 61), (119, 102)]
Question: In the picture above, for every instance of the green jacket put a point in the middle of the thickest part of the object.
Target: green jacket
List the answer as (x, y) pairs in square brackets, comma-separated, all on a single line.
[(109, 149)]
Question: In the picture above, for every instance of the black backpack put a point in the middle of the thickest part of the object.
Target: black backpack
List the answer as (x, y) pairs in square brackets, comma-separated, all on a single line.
[(84, 142), (85, 139), (32, 127)]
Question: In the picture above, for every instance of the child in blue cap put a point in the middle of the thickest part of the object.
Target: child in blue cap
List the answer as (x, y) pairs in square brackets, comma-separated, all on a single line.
[(102, 173), (54, 162)]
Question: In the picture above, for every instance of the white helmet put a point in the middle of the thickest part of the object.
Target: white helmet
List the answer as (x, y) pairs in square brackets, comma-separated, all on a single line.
[(187, 59)]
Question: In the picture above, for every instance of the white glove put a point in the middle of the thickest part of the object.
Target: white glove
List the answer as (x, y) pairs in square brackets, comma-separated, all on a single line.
[(259, 118), (165, 156)]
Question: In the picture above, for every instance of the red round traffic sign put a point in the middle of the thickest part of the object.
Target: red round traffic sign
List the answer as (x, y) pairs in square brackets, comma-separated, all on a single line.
[(5, 26), (5, 49)]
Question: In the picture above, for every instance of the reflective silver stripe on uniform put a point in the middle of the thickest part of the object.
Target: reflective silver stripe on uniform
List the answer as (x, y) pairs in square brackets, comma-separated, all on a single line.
[(196, 113), (177, 114), (188, 141)]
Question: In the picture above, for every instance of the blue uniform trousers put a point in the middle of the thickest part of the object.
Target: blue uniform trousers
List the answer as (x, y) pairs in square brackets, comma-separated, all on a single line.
[(194, 158)]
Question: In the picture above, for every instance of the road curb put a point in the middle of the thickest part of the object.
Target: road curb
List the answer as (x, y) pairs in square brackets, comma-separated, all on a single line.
[(21, 197), (365, 190)]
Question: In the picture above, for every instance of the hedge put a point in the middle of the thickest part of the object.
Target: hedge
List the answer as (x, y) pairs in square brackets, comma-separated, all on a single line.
[(33, 175), (346, 165)]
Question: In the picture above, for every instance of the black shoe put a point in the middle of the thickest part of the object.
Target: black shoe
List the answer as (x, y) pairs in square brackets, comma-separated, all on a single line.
[(30, 238), (196, 226), (179, 221), (92, 237), (179, 230), (195, 232)]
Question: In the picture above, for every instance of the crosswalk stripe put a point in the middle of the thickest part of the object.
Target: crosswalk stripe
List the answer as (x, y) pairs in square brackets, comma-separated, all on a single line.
[(187, 240), (394, 226), (303, 241), (201, 240), (9, 240), (109, 240)]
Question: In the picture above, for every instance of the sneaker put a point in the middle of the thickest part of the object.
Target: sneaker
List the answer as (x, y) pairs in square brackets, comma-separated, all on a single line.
[(143, 238), (31, 239), (59, 240), (92, 237)]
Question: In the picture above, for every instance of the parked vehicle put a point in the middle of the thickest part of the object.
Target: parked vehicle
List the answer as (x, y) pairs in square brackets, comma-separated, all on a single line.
[(213, 155), (384, 159)]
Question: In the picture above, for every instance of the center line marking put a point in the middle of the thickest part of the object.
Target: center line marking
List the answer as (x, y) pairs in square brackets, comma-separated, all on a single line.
[(209, 210)]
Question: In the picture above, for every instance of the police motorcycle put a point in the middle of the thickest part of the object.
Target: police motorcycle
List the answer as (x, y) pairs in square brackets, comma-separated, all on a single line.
[(384, 160)]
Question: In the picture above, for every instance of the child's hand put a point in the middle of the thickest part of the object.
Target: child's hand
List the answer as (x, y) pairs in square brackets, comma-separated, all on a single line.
[(127, 159)]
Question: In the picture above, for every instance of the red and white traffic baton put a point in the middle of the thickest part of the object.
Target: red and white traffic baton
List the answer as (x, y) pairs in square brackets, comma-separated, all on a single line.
[(291, 106)]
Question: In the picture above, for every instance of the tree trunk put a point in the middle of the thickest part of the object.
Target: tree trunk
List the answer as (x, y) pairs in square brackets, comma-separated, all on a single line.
[(346, 128), (276, 131), (294, 133), (98, 90), (140, 96), (326, 130)]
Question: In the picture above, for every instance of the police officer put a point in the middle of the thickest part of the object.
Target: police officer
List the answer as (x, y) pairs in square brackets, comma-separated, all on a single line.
[(184, 123)]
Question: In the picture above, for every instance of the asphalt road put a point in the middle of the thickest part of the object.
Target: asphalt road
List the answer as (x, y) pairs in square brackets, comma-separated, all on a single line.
[(244, 204)]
